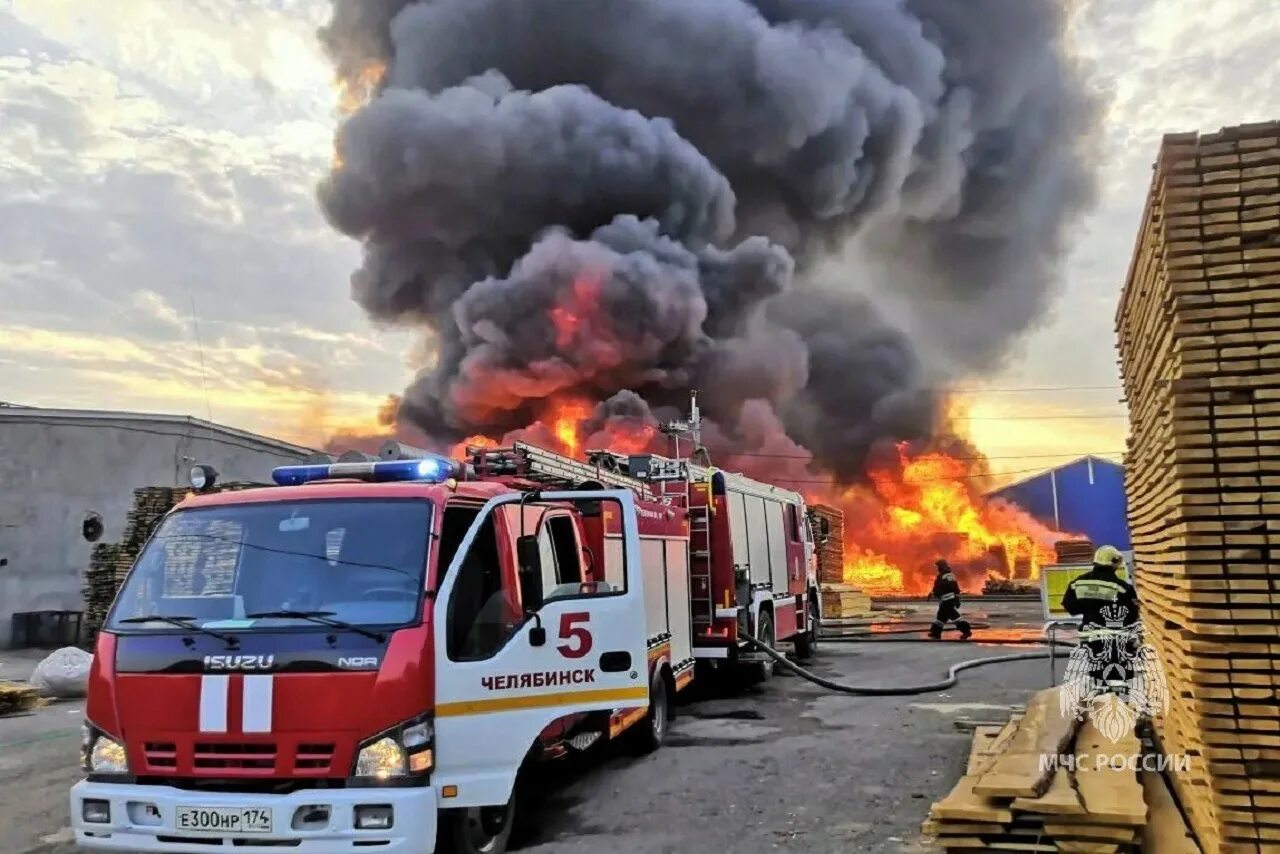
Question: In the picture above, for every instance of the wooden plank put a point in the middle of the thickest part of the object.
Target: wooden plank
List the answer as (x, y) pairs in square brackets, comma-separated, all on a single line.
[(1059, 799), (1110, 795), (1019, 771)]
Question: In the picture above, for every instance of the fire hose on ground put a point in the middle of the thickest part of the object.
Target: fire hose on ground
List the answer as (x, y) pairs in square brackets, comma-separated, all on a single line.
[(953, 673)]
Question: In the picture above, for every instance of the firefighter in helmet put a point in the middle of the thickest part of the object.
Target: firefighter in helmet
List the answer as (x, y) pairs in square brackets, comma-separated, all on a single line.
[(947, 591), (1107, 606)]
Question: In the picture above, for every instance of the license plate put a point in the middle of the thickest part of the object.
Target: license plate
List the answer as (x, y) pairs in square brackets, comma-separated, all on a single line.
[(224, 819)]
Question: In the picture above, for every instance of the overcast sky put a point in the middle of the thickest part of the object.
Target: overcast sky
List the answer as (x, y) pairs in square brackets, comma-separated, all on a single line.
[(158, 160)]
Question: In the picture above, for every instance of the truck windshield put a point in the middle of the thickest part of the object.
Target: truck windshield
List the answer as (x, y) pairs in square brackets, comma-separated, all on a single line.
[(356, 561)]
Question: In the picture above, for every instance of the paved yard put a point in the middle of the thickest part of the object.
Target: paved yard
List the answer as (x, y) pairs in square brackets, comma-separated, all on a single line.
[(784, 767)]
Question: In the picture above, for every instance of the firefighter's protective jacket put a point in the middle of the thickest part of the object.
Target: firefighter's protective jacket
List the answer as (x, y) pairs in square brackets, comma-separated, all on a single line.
[(1105, 602), (946, 588)]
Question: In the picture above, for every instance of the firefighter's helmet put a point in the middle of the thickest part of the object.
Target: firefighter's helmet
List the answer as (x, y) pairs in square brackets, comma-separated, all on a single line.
[(1108, 556)]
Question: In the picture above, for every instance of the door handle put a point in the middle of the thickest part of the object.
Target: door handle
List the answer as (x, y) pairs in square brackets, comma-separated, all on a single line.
[(615, 662)]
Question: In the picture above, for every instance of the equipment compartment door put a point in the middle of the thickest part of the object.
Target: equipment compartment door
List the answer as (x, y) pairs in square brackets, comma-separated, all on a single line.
[(505, 670)]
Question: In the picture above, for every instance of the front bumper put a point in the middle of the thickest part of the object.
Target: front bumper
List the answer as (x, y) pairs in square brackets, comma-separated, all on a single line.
[(135, 827)]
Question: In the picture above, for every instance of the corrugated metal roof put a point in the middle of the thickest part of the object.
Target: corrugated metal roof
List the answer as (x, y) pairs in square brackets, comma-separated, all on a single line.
[(33, 414)]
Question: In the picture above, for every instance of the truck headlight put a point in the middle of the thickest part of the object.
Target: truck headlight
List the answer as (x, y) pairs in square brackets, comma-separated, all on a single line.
[(102, 754), (381, 760), (406, 749)]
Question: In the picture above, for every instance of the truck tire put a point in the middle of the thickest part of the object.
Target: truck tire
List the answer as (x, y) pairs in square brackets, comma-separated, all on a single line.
[(760, 672), (478, 830), (807, 643), (651, 732)]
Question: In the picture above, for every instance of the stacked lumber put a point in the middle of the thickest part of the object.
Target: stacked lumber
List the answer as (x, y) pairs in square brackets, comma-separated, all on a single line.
[(830, 553), (1199, 338), (1073, 551), (110, 562), (1011, 799), (17, 697), (843, 601)]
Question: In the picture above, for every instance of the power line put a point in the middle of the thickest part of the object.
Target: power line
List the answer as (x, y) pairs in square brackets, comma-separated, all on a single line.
[(913, 482), (1076, 417), (1035, 388), (1072, 454)]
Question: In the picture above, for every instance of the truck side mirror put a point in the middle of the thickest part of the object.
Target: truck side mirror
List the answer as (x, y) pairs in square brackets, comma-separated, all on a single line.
[(529, 559), (824, 528)]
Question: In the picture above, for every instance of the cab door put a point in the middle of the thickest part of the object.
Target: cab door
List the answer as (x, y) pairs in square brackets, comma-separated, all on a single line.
[(504, 672)]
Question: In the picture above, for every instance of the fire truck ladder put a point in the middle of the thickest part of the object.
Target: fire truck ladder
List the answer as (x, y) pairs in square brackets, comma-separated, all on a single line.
[(702, 603), (530, 462)]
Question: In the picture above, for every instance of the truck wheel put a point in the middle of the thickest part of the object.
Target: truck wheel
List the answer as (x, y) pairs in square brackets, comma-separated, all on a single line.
[(807, 643), (652, 731), (478, 830), (762, 671)]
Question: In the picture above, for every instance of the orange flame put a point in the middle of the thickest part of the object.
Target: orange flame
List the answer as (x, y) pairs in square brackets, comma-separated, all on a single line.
[(579, 308), (459, 451), (566, 419), (355, 91), (928, 507)]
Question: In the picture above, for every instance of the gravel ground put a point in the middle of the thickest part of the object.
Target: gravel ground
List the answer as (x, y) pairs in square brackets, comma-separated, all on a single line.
[(784, 766)]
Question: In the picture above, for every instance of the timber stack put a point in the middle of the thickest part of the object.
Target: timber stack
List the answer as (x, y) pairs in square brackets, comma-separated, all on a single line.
[(830, 553), (1044, 782), (110, 562), (840, 601), (1073, 551), (1199, 338)]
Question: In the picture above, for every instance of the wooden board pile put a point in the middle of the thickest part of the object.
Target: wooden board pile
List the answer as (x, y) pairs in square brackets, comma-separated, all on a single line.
[(831, 553), (842, 601), (17, 697), (1199, 337), (1014, 797), (110, 562), (1073, 551)]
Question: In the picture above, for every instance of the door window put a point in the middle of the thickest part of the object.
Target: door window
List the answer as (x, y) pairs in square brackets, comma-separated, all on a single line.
[(492, 598), (484, 607)]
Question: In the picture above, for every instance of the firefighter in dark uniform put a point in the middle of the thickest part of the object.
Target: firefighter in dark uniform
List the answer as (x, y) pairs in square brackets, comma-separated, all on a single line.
[(1108, 609), (947, 591)]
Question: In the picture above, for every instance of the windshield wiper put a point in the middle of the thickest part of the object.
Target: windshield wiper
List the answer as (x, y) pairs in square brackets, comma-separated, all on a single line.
[(183, 622), (321, 617)]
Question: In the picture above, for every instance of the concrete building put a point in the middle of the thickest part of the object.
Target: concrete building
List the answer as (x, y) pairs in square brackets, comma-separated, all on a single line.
[(1085, 496), (57, 466)]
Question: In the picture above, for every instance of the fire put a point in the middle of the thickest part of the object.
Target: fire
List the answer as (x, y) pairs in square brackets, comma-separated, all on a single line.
[(459, 451), (929, 506), (871, 572), (566, 421), (354, 92), (579, 308)]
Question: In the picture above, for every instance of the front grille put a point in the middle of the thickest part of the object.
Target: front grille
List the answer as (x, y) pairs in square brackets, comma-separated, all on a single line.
[(160, 754), (313, 757), (258, 757)]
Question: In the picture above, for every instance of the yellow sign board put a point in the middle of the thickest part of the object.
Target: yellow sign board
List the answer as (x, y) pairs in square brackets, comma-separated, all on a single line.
[(1054, 580)]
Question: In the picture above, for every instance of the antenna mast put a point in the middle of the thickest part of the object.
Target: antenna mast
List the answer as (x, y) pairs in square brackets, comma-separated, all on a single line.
[(692, 426)]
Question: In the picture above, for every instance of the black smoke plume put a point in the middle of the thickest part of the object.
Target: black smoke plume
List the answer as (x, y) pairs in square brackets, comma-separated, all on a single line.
[(579, 198)]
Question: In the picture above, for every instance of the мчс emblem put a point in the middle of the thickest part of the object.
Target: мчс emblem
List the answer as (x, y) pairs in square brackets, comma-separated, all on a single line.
[(1113, 677)]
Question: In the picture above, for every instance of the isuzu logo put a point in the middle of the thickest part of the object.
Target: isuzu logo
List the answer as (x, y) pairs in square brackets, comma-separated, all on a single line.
[(239, 662)]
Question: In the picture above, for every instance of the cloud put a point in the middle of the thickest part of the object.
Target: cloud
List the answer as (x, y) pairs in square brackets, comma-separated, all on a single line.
[(158, 163)]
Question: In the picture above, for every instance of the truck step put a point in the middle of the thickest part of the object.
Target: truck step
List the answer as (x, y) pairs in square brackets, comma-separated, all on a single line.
[(583, 740)]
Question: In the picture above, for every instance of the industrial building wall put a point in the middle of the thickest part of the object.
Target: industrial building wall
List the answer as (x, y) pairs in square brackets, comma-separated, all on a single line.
[(55, 471), (1090, 500)]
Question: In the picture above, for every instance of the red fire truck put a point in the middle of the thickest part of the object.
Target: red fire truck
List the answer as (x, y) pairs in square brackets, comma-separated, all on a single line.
[(368, 655), (752, 558)]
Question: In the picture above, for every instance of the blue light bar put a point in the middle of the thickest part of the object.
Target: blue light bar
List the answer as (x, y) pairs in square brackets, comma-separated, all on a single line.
[(430, 469)]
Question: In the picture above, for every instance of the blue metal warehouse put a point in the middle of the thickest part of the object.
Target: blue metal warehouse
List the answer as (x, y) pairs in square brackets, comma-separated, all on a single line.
[(1085, 496)]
